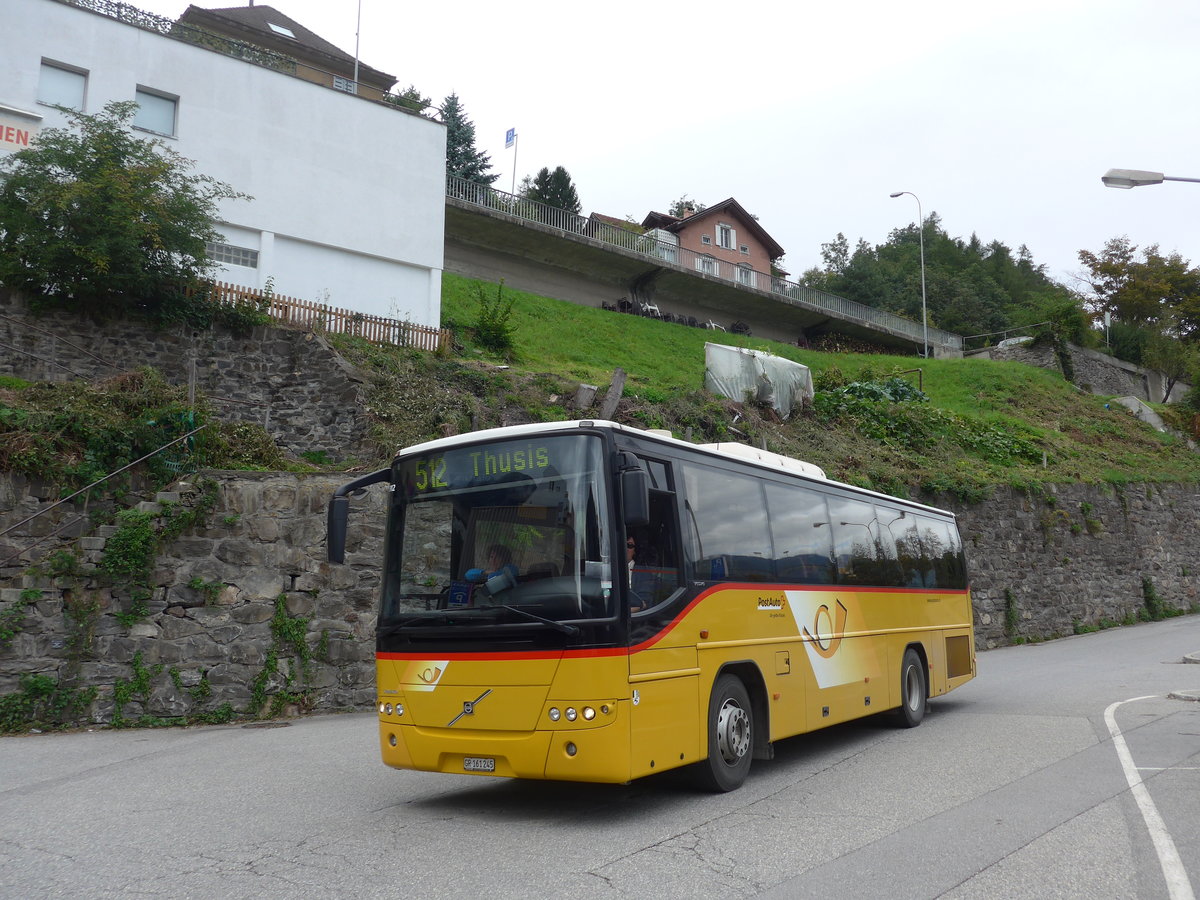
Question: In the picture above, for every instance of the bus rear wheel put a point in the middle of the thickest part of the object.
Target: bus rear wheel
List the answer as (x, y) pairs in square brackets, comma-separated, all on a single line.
[(913, 691), (730, 736)]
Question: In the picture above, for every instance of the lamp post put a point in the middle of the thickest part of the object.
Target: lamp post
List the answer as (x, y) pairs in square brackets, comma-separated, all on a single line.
[(1124, 179), (921, 235)]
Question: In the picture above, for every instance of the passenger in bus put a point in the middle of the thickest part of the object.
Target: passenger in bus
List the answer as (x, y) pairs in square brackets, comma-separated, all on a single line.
[(636, 603), (499, 561)]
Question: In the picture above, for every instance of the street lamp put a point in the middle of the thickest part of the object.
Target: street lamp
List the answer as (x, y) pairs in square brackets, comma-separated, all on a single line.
[(1131, 178), (921, 235)]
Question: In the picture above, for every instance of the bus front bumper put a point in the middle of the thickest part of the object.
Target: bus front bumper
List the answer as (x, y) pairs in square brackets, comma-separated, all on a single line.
[(598, 754)]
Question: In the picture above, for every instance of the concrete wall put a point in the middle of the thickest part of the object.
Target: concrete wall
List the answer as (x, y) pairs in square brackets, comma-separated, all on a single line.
[(348, 195)]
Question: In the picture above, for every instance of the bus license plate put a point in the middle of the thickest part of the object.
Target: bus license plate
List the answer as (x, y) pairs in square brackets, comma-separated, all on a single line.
[(479, 764)]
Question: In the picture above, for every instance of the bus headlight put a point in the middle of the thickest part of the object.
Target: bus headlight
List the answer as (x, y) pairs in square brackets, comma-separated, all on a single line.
[(580, 716)]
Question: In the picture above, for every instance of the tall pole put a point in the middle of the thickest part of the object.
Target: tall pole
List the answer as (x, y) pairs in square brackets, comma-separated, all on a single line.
[(357, 31), (516, 138), (921, 237)]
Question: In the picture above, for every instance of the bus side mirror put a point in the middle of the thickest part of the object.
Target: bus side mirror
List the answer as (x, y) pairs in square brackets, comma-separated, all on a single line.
[(635, 497), (339, 513), (335, 541)]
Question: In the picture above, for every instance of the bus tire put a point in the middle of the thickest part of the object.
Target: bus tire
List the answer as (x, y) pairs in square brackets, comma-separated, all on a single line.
[(914, 694), (730, 736)]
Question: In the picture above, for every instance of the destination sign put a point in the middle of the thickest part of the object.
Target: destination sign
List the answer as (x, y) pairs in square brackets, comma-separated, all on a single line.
[(459, 468)]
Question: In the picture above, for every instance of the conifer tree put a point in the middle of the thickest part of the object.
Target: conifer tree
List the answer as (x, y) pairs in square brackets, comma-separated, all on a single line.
[(554, 189), (462, 159)]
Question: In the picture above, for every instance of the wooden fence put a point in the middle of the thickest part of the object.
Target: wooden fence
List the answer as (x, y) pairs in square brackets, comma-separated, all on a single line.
[(320, 317)]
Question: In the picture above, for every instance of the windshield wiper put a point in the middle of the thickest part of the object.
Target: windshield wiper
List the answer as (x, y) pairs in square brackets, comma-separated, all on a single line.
[(558, 626)]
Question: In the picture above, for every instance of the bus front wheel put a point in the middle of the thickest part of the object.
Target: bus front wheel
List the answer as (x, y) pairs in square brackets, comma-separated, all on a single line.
[(913, 692), (730, 736)]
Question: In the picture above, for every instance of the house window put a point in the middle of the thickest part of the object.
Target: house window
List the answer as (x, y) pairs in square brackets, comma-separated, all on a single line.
[(706, 264), (280, 29), (61, 86), (725, 236), (231, 255), (745, 250), (705, 239), (745, 275), (345, 84), (156, 112)]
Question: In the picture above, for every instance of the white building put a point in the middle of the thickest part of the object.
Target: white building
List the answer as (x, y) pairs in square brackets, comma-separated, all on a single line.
[(348, 203)]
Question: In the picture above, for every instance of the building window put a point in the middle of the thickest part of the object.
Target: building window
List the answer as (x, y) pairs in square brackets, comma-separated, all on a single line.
[(725, 236), (706, 264), (745, 275), (156, 112), (345, 84), (61, 86), (744, 249), (231, 255), (280, 29)]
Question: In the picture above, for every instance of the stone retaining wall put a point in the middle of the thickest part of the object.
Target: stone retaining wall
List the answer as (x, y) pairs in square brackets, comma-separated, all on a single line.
[(290, 381), (1081, 555), (1094, 372), (226, 595)]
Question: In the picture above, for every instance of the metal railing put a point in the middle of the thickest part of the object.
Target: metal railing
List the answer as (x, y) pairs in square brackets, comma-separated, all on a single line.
[(635, 240), (131, 15), (251, 53)]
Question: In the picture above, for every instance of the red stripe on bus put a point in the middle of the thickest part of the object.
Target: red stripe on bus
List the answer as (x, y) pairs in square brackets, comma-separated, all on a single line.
[(666, 630)]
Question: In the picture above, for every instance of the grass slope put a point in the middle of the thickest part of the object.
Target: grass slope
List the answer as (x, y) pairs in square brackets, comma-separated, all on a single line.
[(985, 422)]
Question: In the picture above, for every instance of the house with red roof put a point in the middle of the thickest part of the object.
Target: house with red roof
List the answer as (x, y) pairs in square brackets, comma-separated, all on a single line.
[(723, 239)]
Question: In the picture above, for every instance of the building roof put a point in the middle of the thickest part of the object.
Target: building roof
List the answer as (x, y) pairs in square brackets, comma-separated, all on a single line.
[(729, 207), (252, 24), (613, 220)]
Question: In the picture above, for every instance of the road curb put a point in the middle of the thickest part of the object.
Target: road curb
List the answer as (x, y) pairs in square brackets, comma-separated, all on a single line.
[(1184, 695)]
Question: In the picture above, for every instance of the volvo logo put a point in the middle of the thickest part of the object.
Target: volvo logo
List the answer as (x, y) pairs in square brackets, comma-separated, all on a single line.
[(469, 707)]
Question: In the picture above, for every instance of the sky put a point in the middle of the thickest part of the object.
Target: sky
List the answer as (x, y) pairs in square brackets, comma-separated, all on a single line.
[(999, 117)]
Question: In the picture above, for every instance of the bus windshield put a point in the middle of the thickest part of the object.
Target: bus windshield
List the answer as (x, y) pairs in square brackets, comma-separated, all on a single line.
[(499, 534)]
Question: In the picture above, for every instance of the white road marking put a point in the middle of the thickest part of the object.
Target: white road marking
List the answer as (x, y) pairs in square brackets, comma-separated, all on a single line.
[(1178, 885)]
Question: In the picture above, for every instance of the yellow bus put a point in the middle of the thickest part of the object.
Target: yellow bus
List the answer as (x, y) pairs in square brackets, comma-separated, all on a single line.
[(587, 601)]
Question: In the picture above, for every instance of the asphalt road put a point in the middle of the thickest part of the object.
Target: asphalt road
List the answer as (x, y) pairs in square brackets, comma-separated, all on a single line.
[(1016, 785)]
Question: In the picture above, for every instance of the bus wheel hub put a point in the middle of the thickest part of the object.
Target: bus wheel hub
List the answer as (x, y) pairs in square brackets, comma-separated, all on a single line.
[(733, 732)]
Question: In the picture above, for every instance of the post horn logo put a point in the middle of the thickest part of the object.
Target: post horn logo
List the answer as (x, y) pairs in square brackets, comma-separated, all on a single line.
[(829, 628)]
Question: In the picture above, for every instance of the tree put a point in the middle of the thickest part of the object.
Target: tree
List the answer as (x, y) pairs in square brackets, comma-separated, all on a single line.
[(552, 188), (836, 255), (410, 98), (97, 220), (973, 287), (1177, 360), (1155, 291), (462, 159), (682, 205)]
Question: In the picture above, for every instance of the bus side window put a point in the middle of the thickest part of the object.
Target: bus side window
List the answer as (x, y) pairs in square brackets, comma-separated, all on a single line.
[(915, 565), (942, 552), (729, 537), (855, 541), (656, 565), (801, 535)]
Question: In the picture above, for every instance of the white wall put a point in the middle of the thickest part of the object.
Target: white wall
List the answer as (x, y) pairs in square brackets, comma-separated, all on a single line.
[(349, 195)]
